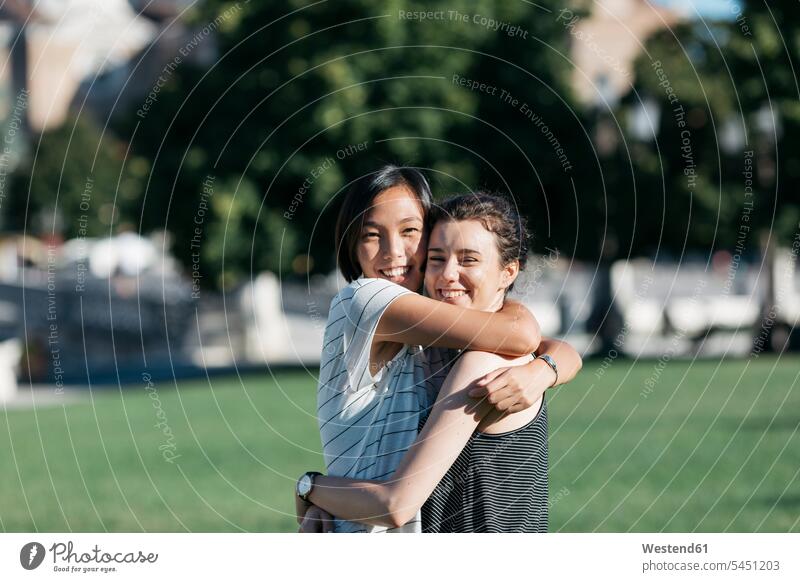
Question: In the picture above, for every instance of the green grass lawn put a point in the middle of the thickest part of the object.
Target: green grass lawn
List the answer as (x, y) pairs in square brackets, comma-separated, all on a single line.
[(713, 447)]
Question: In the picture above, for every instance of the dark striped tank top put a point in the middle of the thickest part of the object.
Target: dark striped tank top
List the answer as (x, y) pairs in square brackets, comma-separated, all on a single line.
[(498, 484)]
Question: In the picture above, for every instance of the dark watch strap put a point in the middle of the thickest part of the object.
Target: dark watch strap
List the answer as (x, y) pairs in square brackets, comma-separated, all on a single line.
[(313, 475)]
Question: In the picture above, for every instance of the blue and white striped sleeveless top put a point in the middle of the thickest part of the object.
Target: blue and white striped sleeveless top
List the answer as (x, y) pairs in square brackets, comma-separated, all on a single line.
[(367, 422)]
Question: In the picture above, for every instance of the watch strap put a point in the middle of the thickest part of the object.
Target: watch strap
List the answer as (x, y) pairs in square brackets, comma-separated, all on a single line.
[(311, 475), (552, 363)]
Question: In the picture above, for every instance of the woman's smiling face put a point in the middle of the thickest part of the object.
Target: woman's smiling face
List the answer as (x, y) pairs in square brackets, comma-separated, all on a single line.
[(464, 266), (392, 239)]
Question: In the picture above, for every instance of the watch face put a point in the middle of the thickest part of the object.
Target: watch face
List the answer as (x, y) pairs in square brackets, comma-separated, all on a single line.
[(304, 485)]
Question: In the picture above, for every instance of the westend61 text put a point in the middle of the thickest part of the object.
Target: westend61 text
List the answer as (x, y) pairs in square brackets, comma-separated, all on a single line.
[(670, 549)]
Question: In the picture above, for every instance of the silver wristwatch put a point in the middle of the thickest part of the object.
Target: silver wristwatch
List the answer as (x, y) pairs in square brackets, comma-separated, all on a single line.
[(305, 484), (550, 362)]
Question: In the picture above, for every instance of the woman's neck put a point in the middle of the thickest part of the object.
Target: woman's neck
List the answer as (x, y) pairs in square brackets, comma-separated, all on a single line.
[(497, 303)]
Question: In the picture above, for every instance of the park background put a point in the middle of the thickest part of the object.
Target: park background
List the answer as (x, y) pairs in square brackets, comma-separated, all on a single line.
[(169, 181)]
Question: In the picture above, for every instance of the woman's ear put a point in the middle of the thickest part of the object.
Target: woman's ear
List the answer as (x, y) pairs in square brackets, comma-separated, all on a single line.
[(510, 272)]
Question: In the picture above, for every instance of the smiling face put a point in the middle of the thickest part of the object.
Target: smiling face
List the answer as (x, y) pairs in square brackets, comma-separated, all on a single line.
[(392, 240), (464, 266)]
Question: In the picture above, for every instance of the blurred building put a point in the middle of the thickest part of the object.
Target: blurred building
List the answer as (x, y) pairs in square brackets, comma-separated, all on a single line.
[(94, 309), (605, 44), (88, 54), (57, 44)]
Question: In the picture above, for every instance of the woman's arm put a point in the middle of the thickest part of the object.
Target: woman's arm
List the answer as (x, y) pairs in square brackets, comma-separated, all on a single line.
[(414, 319), (453, 419), (567, 358), (511, 389)]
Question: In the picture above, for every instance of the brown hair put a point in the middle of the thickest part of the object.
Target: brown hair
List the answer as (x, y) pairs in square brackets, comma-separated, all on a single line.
[(497, 215)]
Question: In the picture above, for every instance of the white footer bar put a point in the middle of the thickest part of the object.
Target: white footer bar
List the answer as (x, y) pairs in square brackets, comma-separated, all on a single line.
[(724, 557)]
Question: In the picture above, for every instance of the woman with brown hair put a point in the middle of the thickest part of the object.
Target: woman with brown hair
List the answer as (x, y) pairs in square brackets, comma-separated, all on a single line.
[(493, 452)]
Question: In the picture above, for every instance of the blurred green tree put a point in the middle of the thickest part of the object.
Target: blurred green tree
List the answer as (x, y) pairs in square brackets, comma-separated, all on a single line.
[(728, 91), (76, 180), (723, 158), (305, 97)]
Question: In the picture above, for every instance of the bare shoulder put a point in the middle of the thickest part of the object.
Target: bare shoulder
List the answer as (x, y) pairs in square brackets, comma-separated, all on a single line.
[(485, 362), (473, 365)]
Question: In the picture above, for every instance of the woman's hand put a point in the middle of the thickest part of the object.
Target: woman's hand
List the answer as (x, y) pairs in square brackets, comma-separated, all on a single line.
[(515, 388), (316, 520), (300, 508), (519, 387)]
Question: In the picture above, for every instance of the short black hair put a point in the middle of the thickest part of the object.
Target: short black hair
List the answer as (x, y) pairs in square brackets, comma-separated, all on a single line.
[(359, 199)]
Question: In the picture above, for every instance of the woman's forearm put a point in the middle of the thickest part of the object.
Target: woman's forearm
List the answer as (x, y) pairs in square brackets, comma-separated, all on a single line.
[(414, 319), (360, 500)]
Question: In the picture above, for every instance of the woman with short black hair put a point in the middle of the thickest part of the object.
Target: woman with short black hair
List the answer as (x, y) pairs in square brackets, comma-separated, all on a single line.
[(375, 382)]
